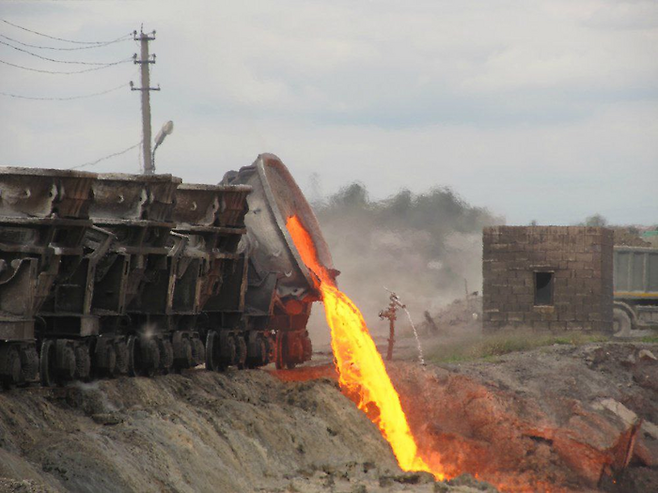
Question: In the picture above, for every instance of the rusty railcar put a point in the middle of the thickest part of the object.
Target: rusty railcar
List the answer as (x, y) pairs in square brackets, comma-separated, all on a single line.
[(43, 222), (116, 274)]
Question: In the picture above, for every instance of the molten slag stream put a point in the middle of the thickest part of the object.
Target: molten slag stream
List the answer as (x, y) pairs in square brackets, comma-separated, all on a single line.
[(361, 370)]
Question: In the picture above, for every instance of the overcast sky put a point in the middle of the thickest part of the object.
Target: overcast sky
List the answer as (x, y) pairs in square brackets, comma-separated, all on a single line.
[(544, 110)]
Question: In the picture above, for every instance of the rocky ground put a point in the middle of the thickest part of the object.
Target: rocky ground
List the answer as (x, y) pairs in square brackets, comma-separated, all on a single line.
[(558, 418)]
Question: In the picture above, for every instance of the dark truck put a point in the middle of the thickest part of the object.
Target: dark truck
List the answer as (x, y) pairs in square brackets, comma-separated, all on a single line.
[(635, 289)]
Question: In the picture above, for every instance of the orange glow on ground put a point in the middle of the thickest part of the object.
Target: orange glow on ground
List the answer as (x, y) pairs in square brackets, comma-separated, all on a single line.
[(362, 374)]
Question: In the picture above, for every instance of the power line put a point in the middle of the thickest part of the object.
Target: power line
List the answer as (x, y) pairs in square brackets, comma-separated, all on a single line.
[(62, 72), (18, 96), (118, 40), (93, 163), (52, 59), (60, 39)]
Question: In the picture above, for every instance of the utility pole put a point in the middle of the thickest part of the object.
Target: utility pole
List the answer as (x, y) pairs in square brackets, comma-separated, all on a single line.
[(146, 89)]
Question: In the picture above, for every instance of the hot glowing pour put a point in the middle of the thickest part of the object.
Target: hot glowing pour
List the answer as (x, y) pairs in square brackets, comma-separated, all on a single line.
[(362, 374)]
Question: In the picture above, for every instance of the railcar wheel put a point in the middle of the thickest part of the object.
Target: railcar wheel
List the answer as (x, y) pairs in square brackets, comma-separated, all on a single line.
[(198, 351), (65, 365), (294, 349), (270, 354), (150, 356), (105, 358), (30, 362), (121, 351), (258, 357), (166, 355), (186, 353), (132, 350), (212, 351), (47, 363), (82, 362), (10, 366), (112, 361), (263, 357), (228, 352), (183, 351), (240, 351), (279, 351), (307, 347)]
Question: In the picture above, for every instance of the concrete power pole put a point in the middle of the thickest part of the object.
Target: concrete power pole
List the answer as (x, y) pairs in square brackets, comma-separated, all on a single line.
[(146, 89)]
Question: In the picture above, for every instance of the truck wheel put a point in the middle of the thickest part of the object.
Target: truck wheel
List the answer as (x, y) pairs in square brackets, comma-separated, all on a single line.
[(621, 323)]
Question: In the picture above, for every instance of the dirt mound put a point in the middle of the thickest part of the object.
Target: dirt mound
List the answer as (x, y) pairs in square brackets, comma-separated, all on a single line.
[(199, 431), (555, 418)]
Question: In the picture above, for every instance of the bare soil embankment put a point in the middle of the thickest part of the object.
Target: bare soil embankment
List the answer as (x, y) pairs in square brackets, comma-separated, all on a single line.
[(240, 431), (562, 417), (557, 418)]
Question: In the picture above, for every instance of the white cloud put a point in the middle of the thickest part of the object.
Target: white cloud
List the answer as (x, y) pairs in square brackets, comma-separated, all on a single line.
[(540, 109)]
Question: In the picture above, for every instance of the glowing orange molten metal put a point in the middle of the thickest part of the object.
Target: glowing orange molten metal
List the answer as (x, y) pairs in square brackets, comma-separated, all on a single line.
[(362, 374)]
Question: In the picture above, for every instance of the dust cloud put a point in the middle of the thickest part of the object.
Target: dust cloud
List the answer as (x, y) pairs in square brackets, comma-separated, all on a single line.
[(425, 247)]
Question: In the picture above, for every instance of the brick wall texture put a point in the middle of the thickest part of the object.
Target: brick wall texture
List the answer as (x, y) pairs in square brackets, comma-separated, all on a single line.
[(579, 257)]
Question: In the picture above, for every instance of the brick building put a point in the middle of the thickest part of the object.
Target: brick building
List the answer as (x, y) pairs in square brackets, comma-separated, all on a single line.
[(547, 278)]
